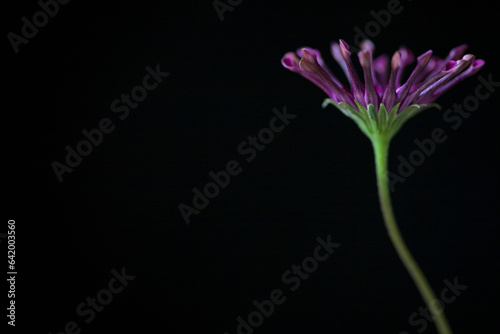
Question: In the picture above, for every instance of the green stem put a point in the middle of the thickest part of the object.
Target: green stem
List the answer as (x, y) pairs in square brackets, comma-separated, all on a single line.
[(381, 148)]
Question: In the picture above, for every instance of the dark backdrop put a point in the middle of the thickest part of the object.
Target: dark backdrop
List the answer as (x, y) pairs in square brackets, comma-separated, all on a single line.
[(118, 208)]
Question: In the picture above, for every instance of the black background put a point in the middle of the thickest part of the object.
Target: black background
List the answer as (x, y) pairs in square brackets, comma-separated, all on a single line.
[(119, 207)]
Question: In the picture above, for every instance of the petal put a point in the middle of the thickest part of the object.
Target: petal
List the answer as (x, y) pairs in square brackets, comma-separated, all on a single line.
[(321, 62), (407, 58), (309, 63), (371, 96), (291, 62), (337, 55), (460, 65), (433, 63), (389, 97), (356, 86), (435, 81), (474, 67), (367, 45), (455, 54), (422, 62), (381, 72)]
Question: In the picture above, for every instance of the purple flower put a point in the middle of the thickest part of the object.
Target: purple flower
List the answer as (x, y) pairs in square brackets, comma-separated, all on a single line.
[(382, 78)]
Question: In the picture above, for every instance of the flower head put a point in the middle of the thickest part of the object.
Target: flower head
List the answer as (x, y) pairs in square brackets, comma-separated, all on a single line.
[(382, 101)]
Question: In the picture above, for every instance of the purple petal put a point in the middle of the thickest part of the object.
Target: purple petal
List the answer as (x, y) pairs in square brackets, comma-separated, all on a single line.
[(356, 86), (415, 96), (337, 55), (309, 63), (367, 45), (473, 69), (407, 58), (291, 62), (389, 97), (455, 54), (320, 62), (426, 72), (422, 62), (460, 65), (381, 72), (371, 96)]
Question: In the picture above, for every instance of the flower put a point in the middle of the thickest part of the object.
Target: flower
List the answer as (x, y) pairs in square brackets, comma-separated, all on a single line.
[(380, 105), (383, 89)]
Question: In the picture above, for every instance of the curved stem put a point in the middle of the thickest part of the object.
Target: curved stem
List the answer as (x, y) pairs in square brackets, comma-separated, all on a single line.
[(381, 148)]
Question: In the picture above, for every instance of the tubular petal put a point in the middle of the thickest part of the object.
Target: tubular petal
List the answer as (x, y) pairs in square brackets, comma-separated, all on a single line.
[(422, 62), (381, 72), (371, 96), (407, 58), (389, 97), (356, 86), (459, 67), (471, 70), (310, 64), (337, 55)]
